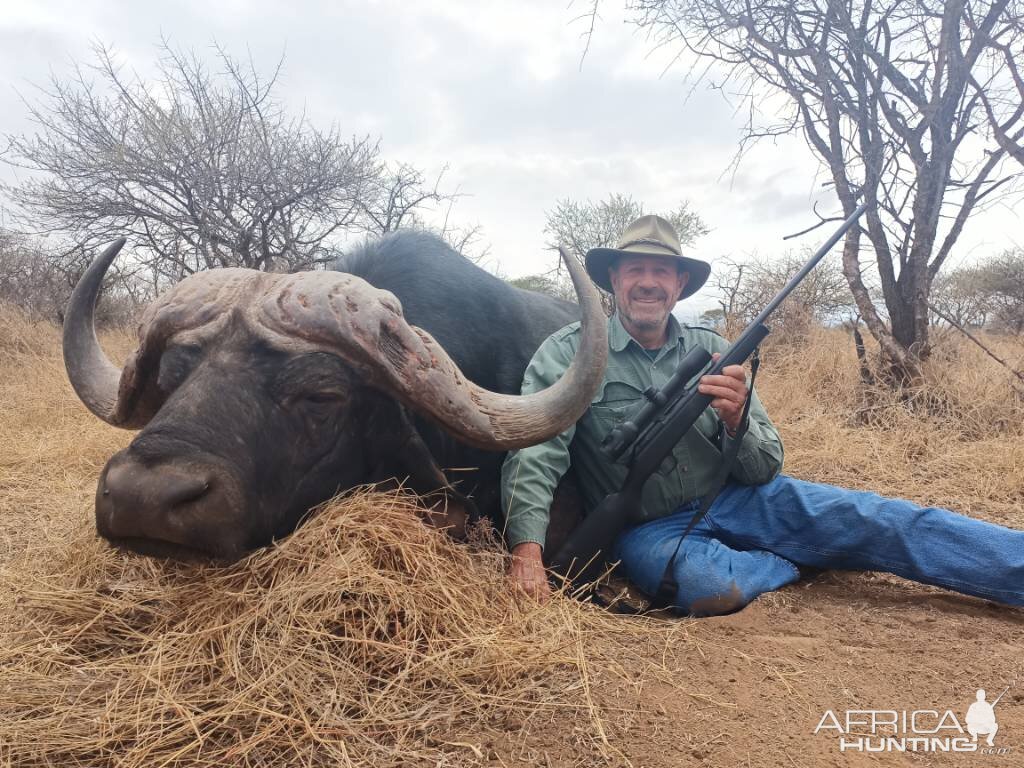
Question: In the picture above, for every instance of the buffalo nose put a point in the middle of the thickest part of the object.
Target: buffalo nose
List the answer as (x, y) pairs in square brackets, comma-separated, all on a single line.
[(135, 500), (165, 487)]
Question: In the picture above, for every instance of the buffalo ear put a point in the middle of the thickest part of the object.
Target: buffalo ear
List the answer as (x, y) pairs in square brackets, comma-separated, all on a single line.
[(400, 458)]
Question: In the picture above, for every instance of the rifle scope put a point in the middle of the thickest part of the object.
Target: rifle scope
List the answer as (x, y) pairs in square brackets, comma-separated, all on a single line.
[(622, 435)]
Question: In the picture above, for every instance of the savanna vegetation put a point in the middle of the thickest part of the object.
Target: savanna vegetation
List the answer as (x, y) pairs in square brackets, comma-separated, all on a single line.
[(367, 639)]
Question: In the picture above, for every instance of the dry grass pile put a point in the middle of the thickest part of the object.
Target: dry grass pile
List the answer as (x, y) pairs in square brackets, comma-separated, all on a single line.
[(364, 639)]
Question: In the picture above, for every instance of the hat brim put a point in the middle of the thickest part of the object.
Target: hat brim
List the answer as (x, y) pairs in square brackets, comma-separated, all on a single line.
[(598, 260)]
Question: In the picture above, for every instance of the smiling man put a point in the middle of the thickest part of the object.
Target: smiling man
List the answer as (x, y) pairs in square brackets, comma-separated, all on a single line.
[(762, 525)]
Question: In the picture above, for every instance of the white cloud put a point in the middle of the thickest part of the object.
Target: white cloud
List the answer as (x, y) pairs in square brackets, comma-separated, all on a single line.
[(493, 89)]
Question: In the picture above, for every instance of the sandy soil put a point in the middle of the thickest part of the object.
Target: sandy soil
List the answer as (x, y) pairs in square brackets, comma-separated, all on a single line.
[(762, 679)]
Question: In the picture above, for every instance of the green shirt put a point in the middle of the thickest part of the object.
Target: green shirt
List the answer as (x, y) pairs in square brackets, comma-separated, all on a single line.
[(530, 475)]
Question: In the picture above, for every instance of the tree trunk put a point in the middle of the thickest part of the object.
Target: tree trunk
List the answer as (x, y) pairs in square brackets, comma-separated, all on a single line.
[(909, 313), (901, 366)]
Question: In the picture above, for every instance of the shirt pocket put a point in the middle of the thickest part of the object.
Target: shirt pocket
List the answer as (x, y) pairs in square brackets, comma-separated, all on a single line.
[(615, 403)]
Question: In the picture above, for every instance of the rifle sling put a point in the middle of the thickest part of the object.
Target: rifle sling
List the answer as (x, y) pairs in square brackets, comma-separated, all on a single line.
[(669, 586)]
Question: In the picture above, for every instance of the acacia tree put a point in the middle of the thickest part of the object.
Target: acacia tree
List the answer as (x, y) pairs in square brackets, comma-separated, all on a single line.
[(582, 225), (894, 97), (27, 279), (199, 168), (745, 287), (38, 279), (1002, 283), (549, 285), (400, 196), (1004, 106), (960, 295), (394, 198)]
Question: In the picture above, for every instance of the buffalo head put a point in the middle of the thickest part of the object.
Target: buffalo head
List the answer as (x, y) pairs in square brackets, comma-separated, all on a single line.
[(261, 395)]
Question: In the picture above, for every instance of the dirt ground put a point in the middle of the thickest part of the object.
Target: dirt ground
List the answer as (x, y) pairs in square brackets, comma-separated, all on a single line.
[(763, 678), (742, 690)]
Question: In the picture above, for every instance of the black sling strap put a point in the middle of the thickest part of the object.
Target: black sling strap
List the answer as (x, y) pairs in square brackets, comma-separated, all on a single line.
[(668, 587)]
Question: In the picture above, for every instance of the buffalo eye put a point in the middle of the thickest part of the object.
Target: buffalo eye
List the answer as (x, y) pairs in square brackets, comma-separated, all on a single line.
[(176, 364), (316, 384), (322, 398), (318, 404)]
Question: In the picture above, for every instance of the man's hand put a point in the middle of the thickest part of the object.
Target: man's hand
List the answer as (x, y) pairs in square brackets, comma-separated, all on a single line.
[(730, 393), (527, 570)]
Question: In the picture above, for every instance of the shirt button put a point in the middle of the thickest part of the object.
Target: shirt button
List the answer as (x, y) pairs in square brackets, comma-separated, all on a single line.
[(682, 470)]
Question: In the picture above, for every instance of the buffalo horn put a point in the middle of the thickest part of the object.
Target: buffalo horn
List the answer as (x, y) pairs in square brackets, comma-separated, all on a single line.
[(347, 316), (94, 378)]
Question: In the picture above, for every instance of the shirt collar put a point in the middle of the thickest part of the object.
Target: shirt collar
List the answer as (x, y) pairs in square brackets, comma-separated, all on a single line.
[(619, 338)]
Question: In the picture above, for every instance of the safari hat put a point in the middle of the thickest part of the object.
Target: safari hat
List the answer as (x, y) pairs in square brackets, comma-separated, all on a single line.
[(647, 236)]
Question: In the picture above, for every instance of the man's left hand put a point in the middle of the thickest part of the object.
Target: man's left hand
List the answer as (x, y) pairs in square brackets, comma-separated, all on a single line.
[(729, 391)]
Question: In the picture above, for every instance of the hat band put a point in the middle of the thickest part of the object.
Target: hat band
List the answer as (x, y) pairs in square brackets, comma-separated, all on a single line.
[(648, 241)]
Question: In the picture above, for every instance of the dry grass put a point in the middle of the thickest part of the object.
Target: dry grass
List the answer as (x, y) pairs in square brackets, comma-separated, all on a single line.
[(956, 443), (366, 639), (51, 448)]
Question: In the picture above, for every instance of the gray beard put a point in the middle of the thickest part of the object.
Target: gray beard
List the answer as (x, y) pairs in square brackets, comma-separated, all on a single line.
[(647, 325)]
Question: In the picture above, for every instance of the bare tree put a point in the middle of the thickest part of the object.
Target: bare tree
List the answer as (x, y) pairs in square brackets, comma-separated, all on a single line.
[(727, 276), (545, 284), (745, 287), (396, 197), (38, 280), (584, 225), (713, 319), (401, 196), (988, 293), (27, 278), (1004, 106), (1002, 282), (891, 95), (962, 296), (200, 169)]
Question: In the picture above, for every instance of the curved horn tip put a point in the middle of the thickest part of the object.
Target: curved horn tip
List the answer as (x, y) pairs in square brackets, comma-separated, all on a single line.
[(114, 248), (94, 378)]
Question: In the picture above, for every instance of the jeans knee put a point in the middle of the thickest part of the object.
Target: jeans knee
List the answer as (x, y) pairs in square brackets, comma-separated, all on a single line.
[(701, 591), (727, 600)]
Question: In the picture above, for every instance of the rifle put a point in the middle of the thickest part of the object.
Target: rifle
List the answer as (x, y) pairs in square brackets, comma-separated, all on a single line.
[(654, 429), (1000, 696)]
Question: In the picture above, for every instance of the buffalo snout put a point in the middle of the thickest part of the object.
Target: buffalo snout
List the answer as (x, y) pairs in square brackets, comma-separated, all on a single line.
[(171, 508)]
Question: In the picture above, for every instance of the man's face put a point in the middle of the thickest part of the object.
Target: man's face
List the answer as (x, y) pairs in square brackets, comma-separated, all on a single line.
[(646, 288)]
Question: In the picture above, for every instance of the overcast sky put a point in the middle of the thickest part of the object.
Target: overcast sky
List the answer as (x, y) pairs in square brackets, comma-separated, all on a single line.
[(493, 89)]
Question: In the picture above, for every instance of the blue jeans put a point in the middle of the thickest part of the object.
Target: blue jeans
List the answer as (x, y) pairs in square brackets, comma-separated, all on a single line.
[(753, 537)]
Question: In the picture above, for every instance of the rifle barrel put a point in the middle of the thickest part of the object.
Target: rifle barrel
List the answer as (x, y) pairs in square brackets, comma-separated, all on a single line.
[(795, 280)]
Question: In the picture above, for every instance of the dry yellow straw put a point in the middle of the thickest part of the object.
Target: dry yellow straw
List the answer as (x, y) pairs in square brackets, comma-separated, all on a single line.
[(364, 639)]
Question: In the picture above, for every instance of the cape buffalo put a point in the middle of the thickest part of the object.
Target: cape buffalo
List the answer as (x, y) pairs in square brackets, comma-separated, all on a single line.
[(261, 395)]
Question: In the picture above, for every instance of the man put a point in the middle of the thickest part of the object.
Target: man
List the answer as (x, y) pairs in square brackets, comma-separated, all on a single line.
[(763, 525)]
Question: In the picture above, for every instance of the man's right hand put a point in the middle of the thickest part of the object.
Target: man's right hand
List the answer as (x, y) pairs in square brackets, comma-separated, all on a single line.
[(527, 570)]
